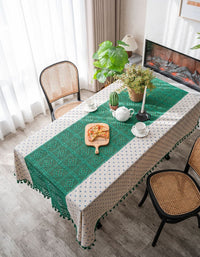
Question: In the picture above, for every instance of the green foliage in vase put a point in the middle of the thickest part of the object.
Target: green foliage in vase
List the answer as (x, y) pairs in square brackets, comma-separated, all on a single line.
[(110, 60), (114, 99), (197, 46), (136, 78)]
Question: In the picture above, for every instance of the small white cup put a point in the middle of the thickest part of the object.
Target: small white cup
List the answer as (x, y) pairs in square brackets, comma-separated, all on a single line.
[(140, 127), (90, 104)]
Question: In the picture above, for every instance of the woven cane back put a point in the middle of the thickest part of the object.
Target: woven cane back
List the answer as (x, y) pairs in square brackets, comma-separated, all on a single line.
[(59, 80), (194, 160)]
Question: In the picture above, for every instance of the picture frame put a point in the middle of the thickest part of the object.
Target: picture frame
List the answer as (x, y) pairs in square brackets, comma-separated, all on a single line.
[(190, 9)]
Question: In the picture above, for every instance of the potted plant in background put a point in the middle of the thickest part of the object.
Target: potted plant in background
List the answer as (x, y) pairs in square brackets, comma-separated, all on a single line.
[(134, 79), (113, 100), (109, 61), (197, 46)]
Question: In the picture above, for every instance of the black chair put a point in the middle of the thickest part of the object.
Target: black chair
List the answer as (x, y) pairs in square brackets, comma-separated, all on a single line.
[(174, 193), (57, 81)]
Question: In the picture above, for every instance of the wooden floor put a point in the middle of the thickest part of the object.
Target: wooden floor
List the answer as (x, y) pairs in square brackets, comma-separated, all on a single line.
[(29, 227)]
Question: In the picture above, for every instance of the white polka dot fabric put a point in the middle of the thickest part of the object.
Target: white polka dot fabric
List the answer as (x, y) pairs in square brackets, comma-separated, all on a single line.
[(117, 176)]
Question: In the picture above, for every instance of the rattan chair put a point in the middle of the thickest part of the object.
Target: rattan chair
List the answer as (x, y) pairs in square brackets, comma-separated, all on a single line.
[(57, 81), (175, 194)]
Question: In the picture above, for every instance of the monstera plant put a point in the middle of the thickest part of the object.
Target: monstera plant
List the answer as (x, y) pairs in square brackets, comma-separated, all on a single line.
[(109, 60)]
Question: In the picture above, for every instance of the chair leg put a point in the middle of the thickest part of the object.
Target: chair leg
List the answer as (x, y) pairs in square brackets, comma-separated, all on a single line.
[(198, 218), (158, 232), (143, 198), (52, 116)]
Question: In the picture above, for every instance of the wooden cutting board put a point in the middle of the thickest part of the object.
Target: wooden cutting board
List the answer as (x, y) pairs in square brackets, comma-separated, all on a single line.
[(98, 141)]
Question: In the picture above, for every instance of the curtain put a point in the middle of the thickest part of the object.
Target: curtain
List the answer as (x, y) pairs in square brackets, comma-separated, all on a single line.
[(103, 19), (33, 35)]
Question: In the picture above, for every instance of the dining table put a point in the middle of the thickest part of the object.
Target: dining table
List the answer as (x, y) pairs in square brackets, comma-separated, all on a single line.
[(83, 186)]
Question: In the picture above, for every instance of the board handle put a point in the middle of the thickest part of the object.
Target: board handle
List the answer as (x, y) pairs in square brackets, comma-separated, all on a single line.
[(96, 149)]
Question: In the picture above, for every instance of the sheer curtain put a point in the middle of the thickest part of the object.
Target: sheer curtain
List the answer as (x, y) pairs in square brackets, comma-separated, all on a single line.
[(33, 35)]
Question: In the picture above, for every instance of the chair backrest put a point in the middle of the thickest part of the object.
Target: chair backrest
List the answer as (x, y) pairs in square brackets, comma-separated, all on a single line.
[(59, 80), (194, 159)]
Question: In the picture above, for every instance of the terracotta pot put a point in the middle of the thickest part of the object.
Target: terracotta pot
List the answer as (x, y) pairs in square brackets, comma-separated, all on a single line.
[(134, 96), (113, 107)]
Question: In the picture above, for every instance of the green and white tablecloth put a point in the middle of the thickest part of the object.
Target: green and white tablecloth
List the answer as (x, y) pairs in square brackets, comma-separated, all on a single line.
[(82, 185)]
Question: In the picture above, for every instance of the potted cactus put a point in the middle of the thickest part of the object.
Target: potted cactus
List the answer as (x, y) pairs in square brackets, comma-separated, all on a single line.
[(113, 100)]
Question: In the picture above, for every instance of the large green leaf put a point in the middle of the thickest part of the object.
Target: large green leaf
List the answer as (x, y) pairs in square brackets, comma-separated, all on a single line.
[(95, 56), (95, 73), (101, 76), (97, 64), (119, 42), (110, 73), (118, 58), (104, 53), (115, 68), (104, 58), (106, 62), (104, 46)]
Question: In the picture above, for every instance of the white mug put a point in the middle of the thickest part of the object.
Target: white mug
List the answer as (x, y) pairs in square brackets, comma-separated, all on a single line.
[(90, 104), (140, 127)]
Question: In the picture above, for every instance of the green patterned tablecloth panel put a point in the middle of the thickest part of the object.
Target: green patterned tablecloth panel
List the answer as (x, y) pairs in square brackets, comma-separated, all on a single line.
[(65, 161)]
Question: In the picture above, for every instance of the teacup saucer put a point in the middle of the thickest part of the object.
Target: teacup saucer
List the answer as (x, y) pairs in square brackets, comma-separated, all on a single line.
[(89, 109), (137, 134)]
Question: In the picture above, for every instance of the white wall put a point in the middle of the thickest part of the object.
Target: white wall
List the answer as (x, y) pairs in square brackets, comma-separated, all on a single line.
[(132, 20), (166, 27)]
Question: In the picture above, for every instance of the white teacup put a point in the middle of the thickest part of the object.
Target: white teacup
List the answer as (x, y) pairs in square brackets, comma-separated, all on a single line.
[(140, 127), (90, 104)]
